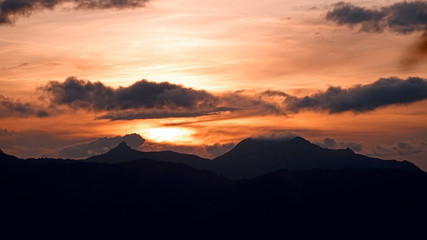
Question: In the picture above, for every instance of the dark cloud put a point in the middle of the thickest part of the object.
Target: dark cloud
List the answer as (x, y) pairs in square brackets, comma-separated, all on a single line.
[(404, 17), (12, 9), (148, 100), (16, 108), (348, 14), (333, 144), (100, 146), (362, 98), (329, 142), (83, 94)]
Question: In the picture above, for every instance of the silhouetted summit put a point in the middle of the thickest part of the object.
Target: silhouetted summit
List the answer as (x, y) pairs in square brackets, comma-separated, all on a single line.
[(255, 157), (7, 157), (123, 153), (122, 147)]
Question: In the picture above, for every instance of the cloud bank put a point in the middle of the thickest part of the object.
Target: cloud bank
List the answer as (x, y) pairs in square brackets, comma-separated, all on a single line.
[(362, 98), (152, 100), (148, 100), (10, 10)]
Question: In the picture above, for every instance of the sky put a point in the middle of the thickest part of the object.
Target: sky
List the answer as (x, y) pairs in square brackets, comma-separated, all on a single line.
[(78, 77)]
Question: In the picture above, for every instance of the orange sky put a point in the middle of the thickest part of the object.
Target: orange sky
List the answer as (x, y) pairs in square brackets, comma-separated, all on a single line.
[(216, 46)]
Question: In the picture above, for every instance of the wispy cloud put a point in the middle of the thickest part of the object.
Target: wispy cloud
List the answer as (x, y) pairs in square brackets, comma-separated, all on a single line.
[(17, 108), (403, 148)]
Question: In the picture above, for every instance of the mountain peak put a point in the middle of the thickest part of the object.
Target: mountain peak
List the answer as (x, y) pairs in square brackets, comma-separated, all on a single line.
[(299, 140), (349, 150), (121, 147)]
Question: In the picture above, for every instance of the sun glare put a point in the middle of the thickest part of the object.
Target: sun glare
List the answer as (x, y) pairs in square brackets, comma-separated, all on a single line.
[(169, 134)]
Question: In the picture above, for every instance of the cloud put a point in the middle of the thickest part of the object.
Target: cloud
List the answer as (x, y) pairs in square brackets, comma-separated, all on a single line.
[(16, 108), (333, 144), (362, 98), (100, 146), (348, 14), (148, 100), (381, 151), (404, 17), (401, 149), (406, 148), (10, 10), (81, 94)]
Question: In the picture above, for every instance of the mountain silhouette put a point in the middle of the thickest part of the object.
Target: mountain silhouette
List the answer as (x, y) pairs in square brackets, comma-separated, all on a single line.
[(254, 157), (155, 199), (123, 153), (6, 157)]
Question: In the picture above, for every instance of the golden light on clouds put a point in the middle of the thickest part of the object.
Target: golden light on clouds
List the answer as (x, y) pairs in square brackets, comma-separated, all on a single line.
[(232, 50), (169, 134)]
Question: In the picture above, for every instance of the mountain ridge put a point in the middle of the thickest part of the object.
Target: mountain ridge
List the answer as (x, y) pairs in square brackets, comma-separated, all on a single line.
[(254, 157)]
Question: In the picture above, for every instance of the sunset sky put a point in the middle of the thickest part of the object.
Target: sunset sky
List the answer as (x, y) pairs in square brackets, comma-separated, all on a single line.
[(77, 77)]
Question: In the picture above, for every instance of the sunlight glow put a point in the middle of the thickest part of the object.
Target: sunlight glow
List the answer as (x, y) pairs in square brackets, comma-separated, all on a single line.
[(177, 135)]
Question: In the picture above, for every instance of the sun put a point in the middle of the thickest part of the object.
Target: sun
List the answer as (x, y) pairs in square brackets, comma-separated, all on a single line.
[(167, 134)]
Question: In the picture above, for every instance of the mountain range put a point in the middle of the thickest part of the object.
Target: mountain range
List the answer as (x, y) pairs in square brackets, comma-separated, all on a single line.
[(255, 157), (303, 192)]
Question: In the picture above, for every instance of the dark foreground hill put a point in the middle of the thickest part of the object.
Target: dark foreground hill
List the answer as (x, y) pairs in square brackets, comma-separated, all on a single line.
[(255, 157), (146, 199)]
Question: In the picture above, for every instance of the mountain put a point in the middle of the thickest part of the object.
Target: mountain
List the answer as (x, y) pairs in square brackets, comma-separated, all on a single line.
[(153, 199), (7, 157), (124, 153), (255, 157)]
